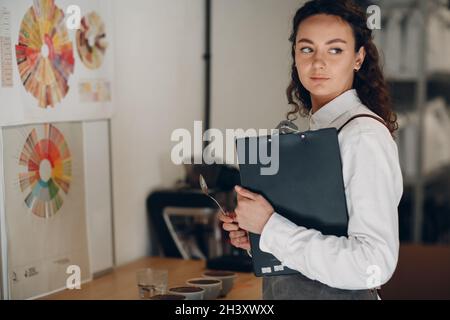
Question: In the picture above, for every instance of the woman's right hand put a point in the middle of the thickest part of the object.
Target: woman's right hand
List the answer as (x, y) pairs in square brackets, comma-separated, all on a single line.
[(238, 236)]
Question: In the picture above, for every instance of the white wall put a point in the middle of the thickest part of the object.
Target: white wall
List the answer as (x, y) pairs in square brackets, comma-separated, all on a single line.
[(159, 87), (251, 62)]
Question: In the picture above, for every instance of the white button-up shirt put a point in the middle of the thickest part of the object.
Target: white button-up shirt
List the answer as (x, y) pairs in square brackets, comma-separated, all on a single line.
[(373, 184)]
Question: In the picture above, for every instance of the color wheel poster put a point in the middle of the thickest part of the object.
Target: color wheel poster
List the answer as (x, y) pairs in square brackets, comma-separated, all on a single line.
[(61, 70), (45, 207)]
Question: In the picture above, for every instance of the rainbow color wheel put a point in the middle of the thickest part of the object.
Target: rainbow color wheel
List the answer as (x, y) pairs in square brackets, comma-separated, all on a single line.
[(44, 53), (91, 40), (48, 171)]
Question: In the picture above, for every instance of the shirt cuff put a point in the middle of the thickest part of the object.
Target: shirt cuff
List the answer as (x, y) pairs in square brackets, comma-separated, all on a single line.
[(276, 234)]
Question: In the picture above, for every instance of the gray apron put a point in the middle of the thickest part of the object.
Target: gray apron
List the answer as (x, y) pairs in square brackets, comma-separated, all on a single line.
[(299, 287)]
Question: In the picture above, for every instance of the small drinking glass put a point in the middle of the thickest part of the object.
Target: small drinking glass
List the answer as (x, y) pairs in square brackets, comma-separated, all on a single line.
[(151, 282)]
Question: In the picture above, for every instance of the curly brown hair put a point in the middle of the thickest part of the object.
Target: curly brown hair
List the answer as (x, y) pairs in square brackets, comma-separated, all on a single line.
[(369, 82)]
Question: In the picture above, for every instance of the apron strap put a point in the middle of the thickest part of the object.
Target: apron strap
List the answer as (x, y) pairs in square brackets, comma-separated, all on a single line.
[(361, 116)]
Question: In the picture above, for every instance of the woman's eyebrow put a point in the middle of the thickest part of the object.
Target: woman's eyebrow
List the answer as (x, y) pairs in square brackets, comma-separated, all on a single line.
[(328, 42)]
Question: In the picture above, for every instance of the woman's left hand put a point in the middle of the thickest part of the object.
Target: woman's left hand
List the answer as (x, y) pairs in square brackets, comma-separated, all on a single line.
[(252, 211)]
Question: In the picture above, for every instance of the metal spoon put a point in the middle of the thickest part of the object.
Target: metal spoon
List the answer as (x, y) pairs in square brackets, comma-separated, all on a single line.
[(204, 188)]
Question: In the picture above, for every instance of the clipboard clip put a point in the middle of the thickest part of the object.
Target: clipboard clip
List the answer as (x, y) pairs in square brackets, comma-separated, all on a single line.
[(287, 127)]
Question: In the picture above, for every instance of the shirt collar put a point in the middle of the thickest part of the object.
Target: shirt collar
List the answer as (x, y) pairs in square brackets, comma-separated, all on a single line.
[(326, 115)]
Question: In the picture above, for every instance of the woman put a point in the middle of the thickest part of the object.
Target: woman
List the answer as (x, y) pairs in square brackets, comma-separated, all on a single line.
[(335, 76)]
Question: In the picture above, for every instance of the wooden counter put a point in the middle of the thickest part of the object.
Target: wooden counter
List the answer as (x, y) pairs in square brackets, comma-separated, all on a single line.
[(120, 284), (423, 272)]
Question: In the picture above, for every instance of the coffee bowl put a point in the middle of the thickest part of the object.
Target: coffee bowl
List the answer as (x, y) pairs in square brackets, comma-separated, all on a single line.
[(191, 292), (227, 278), (212, 287)]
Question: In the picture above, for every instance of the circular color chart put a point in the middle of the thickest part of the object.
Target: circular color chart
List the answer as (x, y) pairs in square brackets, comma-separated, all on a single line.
[(91, 40), (48, 171), (44, 53)]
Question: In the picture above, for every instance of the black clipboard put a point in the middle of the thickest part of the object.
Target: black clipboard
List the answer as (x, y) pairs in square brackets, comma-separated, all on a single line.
[(308, 188)]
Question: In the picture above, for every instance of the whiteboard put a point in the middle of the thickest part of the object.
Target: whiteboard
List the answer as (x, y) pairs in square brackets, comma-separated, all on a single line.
[(98, 202), (46, 232)]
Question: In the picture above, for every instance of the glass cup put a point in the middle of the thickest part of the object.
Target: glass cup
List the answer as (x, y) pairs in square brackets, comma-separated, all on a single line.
[(151, 282)]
